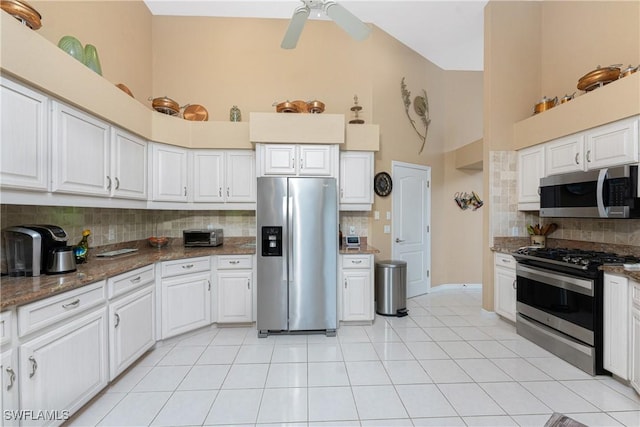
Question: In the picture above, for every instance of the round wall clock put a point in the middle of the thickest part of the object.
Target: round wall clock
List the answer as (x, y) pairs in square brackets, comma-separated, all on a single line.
[(382, 184)]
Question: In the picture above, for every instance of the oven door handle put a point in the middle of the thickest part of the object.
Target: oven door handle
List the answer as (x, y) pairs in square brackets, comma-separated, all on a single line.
[(582, 286), (603, 211)]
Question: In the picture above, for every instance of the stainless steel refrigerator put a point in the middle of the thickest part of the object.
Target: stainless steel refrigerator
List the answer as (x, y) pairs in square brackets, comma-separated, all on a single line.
[(297, 251)]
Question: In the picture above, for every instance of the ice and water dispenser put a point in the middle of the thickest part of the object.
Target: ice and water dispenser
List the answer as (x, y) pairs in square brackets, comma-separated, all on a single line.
[(271, 241)]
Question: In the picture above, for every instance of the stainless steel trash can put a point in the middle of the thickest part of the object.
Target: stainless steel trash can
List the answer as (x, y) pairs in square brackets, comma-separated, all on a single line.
[(391, 288)]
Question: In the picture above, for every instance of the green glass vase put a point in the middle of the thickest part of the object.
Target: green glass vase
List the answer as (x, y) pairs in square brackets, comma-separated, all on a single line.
[(91, 59)]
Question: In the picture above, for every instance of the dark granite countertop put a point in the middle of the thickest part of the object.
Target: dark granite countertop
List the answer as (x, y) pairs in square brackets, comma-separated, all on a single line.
[(23, 290)]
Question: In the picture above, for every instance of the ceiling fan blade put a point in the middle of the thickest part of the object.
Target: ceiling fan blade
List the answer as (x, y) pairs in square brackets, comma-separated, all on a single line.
[(347, 21), (296, 25)]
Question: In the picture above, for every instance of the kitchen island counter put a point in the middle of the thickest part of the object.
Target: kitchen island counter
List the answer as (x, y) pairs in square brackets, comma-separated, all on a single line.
[(22, 290)]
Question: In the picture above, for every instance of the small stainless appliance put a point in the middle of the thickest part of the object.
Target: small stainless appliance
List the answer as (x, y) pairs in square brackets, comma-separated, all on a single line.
[(560, 302), (297, 251), (194, 238), (604, 193), (22, 251)]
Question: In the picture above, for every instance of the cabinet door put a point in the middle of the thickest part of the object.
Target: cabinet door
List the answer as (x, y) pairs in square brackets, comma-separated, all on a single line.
[(505, 292), (66, 367), (565, 155), (131, 330), (530, 170), (615, 324), (234, 297), (23, 152), (314, 160), (613, 144), (186, 303), (356, 295), (279, 159), (9, 385), (356, 178), (129, 175), (240, 176), (634, 376), (208, 176), (81, 155), (169, 173)]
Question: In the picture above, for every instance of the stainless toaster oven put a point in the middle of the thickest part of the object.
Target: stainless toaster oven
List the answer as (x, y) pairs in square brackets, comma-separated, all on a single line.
[(211, 237)]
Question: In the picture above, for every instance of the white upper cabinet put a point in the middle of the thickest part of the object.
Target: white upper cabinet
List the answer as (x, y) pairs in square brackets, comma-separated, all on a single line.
[(208, 169), (297, 160), (356, 180), (129, 165), (24, 135), (240, 176), (169, 164), (530, 169), (613, 144), (81, 157)]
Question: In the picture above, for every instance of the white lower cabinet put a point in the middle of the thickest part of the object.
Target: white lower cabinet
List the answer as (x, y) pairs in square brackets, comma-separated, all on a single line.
[(131, 329), (234, 279), (185, 290), (9, 394), (634, 337), (64, 368), (616, 325), (357, 288), (505, 286)]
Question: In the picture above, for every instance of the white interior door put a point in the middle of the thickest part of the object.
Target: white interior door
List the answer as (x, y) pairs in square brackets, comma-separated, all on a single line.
[(411, 215)]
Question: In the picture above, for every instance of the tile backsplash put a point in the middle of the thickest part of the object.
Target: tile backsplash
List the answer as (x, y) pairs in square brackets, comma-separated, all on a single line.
[(507, 221), (110, 226)]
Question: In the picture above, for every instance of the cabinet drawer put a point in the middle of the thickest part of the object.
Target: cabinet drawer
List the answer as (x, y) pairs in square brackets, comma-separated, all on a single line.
[(125, 282), (39, 314), (505, 260), (235, 262), (356, 261), (635, 294), (6, 324), (185, 266)]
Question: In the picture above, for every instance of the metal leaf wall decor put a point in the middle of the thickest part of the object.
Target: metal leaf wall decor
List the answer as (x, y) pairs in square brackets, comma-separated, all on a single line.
[(421, 108)]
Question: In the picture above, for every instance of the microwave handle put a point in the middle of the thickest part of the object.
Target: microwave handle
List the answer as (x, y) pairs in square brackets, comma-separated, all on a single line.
[(603, 211)]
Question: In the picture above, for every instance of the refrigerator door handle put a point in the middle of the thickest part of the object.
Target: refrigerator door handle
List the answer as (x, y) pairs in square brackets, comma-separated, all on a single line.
[(290, 248), (284, 255)]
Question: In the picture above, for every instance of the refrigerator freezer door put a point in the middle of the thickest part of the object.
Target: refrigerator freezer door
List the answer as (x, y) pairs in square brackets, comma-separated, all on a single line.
[(272, 286), (313, 251)]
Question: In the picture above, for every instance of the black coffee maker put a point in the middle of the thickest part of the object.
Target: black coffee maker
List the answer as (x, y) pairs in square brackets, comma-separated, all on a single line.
[(35, 249)]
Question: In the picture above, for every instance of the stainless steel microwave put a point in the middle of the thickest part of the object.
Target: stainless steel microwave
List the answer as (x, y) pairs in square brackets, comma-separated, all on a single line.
[(212, 237), (604, 193)]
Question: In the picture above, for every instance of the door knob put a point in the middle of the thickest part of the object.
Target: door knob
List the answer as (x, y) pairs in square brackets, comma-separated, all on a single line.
[(399, 240)]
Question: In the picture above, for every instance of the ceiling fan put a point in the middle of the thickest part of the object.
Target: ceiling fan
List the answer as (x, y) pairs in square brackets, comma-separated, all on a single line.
[(341, 16)]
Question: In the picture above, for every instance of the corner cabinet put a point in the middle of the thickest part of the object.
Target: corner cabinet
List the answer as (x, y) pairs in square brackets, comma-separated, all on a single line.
[(505, 286), (169, 176), (234, 283), (24, 133), (129, 165), (531, 168), (356, 180), (296, 160), (356, 292)]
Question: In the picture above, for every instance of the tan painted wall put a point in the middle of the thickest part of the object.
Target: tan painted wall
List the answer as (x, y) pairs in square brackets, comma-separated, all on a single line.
[(463, 101), (120, 31)]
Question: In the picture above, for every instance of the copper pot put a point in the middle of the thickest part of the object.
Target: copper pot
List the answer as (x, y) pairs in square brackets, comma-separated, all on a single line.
[(315, 107), (23, 12), (195, 112), (628, 71), (286, 107), (567, 98), (301, 106), (166, 106), (544, 104), (599, 77)]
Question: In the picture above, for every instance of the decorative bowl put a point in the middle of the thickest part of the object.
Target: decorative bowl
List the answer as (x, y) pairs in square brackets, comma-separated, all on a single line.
[(158, 242)]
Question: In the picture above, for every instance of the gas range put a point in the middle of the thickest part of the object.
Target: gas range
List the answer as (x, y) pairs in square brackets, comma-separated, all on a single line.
[(576, 259)]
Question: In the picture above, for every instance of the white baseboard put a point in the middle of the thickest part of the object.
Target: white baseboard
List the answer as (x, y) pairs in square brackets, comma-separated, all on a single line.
[(459, 286)]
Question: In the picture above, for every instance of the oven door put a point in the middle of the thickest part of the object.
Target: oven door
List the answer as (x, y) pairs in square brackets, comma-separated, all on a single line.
[(561, 301)]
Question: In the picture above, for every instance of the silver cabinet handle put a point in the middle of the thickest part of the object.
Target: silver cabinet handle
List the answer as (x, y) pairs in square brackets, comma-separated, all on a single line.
[(72, 304), (342, 192), (108, 182), (248, 283), (399, 240), (117, 183), (136, 279), (209, 287), (187, 266), (301, 163), (539, 191), (219, 191), (12, 378), (235, 261), (117, 320), (185, 191), (34, 366), (356, 261), (577, 161), (515, 283), (345, 283), (589, 156), (227, 191), (506, 260)]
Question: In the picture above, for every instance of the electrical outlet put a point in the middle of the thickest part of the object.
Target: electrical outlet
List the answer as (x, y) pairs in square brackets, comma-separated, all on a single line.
[(376, 214), (352, 229), (387, 229), (112, 233), (388, 215)]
